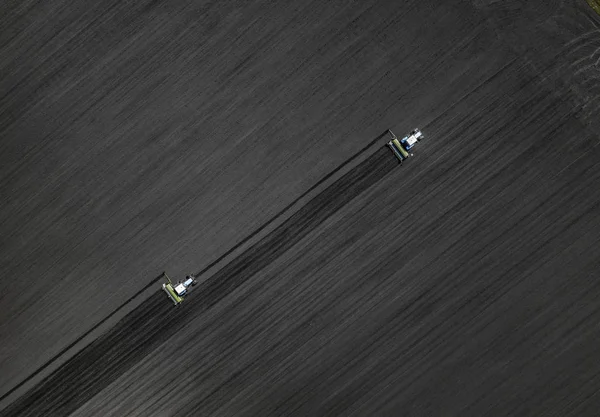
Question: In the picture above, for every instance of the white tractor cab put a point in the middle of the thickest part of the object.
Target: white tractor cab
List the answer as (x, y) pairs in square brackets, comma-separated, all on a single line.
[(177, 291), (402, 147)]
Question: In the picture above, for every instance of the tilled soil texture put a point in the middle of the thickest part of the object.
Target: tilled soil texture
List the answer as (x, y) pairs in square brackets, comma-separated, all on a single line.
[(150, 136)]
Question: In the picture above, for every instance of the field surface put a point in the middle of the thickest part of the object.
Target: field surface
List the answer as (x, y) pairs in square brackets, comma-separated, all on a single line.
[(245, 141)]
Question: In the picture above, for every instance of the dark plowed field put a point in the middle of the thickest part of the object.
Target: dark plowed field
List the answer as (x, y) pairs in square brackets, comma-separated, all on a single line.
[(137, 137)]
